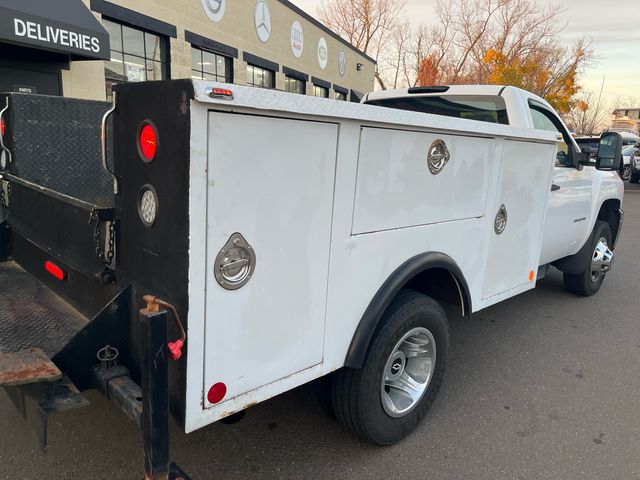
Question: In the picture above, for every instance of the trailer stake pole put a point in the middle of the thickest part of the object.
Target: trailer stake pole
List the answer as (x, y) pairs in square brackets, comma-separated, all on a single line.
[(155, 394)]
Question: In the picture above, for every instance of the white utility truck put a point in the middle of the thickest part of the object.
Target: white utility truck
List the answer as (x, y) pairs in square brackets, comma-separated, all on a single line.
[(293, 239)]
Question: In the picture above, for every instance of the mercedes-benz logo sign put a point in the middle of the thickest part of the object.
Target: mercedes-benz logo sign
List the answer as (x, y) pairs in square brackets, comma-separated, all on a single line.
[(438, 156), (342, 63), (214, 9), (263, 21)]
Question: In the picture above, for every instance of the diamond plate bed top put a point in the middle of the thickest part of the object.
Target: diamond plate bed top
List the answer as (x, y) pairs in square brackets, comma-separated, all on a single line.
[(31, 315)]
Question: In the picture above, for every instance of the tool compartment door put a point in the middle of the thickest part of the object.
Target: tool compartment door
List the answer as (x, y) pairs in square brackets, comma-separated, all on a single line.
[(271, 180), (395, 188), (525, 182)]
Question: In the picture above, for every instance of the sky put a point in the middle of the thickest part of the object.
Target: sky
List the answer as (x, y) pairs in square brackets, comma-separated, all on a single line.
[(613, 26)]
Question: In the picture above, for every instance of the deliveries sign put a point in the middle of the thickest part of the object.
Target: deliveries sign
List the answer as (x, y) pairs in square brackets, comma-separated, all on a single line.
[(84, 38), (56, 36)]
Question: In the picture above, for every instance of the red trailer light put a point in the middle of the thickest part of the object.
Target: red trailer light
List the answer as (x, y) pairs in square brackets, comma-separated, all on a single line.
[(55, 270), (148, 142)]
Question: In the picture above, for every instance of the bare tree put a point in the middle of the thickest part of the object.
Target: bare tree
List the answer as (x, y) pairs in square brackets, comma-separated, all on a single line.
[(369, 25), (501, 41), (513, 42), (589, 115)]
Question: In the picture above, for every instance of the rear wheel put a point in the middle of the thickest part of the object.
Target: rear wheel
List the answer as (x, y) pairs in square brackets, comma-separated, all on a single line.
[(386, 400), (598, 264)]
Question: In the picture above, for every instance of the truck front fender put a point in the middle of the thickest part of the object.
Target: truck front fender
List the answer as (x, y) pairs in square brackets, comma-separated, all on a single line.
[(405, 273)]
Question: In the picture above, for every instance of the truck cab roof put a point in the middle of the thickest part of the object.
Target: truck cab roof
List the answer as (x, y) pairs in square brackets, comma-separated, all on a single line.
[(505, 91), (436, 90), (502, 104)]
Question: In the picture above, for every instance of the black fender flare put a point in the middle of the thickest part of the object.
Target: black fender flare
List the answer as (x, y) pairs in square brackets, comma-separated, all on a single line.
[(390, 288)]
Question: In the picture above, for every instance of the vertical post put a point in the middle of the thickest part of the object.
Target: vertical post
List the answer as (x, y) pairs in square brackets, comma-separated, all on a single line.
[(155, 394)]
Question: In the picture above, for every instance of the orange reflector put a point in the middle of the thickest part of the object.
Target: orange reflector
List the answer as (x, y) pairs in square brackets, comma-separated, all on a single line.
[(55, 270), (531, 276)]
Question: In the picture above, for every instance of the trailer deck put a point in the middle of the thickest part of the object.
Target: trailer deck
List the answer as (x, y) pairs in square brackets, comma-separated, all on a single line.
[(32, 316)]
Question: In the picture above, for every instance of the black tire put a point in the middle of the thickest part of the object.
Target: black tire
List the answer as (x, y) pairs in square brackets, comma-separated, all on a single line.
[(356, 394), (635, 177), (582, 283), (626, 173), (318, 394)]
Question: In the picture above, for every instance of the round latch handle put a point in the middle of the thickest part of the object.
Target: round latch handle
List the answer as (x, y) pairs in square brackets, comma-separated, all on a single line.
[(235, 263)]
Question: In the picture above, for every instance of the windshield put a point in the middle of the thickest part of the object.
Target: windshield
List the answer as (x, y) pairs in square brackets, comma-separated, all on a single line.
[(483, 108), (628, 150)]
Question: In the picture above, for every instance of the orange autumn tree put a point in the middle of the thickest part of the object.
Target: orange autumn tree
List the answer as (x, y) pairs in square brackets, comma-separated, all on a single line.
[(557, 83), (428, 73), (507, 42)]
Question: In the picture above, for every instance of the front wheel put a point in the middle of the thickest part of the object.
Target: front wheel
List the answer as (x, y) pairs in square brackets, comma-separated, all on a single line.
[(386, 400), (626, 172), (598, 264)]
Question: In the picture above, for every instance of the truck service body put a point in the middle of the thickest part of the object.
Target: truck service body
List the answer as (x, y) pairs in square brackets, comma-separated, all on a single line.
[(297, 239)]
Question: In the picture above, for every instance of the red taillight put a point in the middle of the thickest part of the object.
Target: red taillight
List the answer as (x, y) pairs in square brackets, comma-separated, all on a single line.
[(223, 93), (55, 270), (148, 142), (1, 127)]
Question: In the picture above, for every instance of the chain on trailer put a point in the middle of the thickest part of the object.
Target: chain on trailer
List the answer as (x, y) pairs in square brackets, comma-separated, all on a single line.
[(5, 193), (106, 255)]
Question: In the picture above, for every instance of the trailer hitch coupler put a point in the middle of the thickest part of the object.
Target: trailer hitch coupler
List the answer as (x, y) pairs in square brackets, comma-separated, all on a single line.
[(174, 348)]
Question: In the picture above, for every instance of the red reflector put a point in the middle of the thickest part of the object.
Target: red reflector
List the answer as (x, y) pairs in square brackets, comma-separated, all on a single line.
[(148, 142), (2, 127), (217, 392), (55, 270)]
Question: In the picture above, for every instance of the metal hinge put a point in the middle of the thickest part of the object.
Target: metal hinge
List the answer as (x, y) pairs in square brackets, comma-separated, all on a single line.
[(4, 151)]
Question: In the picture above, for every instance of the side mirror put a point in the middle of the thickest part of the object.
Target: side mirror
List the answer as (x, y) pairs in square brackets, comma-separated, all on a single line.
[(609, 152)]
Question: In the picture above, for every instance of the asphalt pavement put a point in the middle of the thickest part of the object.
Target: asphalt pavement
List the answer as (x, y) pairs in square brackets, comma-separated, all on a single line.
[(543, 386)]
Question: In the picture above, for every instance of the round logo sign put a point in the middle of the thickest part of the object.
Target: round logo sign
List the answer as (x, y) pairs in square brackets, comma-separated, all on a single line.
[(342, 63), (323, 53), (297, 39), (262, 20), (214, 9)]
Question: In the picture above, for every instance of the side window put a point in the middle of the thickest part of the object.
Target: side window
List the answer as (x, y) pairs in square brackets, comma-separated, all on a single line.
[(544, 120)]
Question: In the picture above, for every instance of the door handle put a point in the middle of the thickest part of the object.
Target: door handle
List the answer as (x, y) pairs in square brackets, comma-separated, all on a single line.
[(554, 187)]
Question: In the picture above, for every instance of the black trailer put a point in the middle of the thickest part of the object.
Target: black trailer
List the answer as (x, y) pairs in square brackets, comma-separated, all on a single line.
[(72, 317)]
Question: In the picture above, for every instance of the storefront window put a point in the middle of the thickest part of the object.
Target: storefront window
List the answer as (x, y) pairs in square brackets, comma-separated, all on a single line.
[(341, 96), (294, 85), (260, 77), (210, 66), (136, 56), (319, 91)]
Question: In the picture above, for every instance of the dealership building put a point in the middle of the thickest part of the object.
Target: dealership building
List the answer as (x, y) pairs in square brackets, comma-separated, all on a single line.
[(81, 48)]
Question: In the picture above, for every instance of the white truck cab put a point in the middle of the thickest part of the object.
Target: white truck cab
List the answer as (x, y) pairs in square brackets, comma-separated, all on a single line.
[(580, 194)]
